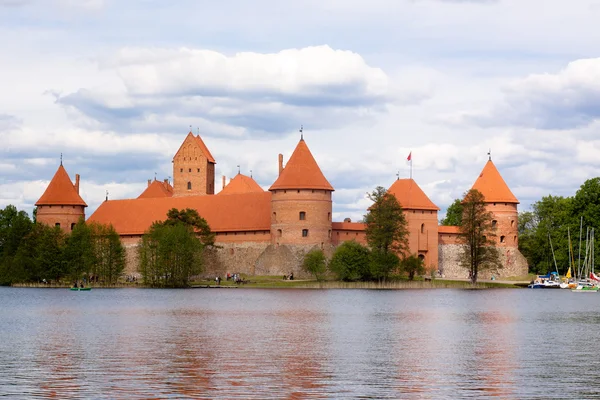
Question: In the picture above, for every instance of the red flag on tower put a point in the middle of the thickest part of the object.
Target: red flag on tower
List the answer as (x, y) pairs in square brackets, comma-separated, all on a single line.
[(409, 158)]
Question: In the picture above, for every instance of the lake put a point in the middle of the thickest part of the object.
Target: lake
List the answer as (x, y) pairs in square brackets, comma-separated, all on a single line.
[(299, 343)]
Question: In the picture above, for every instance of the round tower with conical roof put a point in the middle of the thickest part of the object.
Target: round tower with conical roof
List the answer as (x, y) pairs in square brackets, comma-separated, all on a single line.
[(301, 201), (61, 205), (502, 203)]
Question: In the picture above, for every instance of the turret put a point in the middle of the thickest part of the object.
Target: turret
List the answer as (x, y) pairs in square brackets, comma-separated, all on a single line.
[(61, 205), (301, 201), (421, 217), (501, 202), (193, 168)]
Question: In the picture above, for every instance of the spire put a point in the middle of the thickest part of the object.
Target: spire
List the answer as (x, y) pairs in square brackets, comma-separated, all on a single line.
[(60, 158), (238, 169), (61, 191), (490, 155), (301, 132), (301, 172), (492, 186)]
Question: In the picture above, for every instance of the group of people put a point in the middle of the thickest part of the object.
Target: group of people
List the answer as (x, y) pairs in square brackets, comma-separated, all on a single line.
[(289, 277)]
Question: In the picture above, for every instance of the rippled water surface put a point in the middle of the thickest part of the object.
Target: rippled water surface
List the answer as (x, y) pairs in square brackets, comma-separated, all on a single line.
[(252, 343)]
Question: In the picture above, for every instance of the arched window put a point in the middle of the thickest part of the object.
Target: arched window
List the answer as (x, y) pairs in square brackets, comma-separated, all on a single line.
[(494, 223), (189, 185), (512, 223), (72, 225), (328, 216), (422, 228), (274, 216), (302, 215), (304, 232), (515, 239), (57, 224), (502, 239), (279, 232)]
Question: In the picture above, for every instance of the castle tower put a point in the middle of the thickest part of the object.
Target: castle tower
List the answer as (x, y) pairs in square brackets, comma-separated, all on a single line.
[(422, 217), (301, 201), (502, 203), (193, 168), (61, 205)]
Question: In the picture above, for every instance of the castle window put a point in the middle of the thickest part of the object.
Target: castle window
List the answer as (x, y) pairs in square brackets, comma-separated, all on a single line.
[(180, 169), (501, 239), (57, 224), (72, 225), (190, 170), (494, 223), (494, 203), (329, 234), (302, 215), (512, 223), (274, 217), (338, 234), (189, 185), (328, 216), (515, 239), (298, 191), (304, 232), (422, 228), (279, 232), (198, 169)]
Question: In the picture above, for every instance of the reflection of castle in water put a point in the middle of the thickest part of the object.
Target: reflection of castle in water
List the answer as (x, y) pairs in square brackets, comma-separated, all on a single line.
[(267, 232)]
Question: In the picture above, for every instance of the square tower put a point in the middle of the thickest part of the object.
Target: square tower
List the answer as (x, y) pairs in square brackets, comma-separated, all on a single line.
[(193, 168)]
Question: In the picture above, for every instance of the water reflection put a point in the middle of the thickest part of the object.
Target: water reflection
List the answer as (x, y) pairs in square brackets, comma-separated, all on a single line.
[(298, 344)]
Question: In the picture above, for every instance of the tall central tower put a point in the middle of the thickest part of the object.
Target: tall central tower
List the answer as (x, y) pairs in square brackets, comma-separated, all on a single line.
[(301, 201), (193, 168)]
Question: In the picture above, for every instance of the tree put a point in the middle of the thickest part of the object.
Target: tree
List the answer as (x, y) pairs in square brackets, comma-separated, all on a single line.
[(475, 234), (386, 228), (109, 253), (14, 227), (169, 255), (79, 253), (412, 265), (315, 264), (190, 217), (350, 262), (386, 231), (453, 214)]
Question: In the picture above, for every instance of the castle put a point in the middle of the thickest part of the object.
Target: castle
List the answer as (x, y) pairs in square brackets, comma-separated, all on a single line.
[(268, 232)]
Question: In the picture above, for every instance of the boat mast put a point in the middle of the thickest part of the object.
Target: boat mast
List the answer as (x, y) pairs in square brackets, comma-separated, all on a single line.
[(579, 255), (552, 249)]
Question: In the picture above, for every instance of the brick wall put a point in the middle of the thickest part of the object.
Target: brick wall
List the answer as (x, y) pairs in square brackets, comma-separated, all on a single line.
[(423, 236), (191, 165), (286, 223), (66, 216), (513, 263)]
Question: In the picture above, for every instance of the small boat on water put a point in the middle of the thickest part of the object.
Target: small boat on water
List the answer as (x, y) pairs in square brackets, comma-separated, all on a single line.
[(81, 289), (585, 289), (548, 281)]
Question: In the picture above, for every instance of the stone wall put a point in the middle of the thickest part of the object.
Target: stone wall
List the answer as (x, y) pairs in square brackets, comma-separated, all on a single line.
[(513, 262)]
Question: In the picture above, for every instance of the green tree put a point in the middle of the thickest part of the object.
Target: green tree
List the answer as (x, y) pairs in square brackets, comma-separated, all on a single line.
[(169, 255), (49, 258), (386, 226), (350, 262), (315, 264), (79, 252), (191, 217), (14, 227), (475, 234), (412, 265), (109, 253), (382, 264), (453, 214), (386, 231)]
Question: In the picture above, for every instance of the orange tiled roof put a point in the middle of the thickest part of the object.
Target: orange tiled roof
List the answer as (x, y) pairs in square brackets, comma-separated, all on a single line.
[(157, 189), (236, 212), (448, 229), (200, 143), (348, 226), (241, 184), (410, 196), (61, 191), (492, 186), (301, 172)]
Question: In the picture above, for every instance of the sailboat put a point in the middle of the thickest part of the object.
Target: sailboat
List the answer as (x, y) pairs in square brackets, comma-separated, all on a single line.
[(549, 281), (588, 282)]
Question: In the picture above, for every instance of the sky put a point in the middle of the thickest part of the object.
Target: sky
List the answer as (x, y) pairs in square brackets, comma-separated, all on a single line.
[(115, 86)]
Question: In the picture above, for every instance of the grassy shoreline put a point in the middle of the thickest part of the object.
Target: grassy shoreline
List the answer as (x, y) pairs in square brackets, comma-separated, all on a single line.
[(271, 282)]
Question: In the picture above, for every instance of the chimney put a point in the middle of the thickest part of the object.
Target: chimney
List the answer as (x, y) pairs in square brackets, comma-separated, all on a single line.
[(166, 181), (280, 163), (77, 183), (149, 182), (223, 182)]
